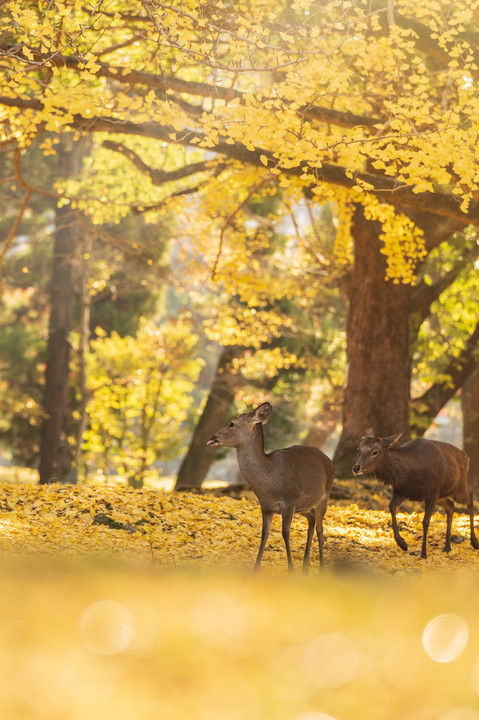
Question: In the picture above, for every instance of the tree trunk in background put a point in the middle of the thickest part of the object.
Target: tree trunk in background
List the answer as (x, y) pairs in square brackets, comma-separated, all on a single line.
[(376, 393), (199, 458), (55, 453), (324, 424), (470, 419), (83, 345)]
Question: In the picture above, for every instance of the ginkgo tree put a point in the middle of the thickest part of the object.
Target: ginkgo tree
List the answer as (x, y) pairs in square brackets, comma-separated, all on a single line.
[(369, 105)]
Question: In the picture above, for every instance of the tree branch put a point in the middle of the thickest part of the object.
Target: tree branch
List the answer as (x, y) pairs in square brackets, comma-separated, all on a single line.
[(422, 36), (424, 295), (425, 408), (387, 189), (231, 216), (129, 76), (13, 231), (160, 177)]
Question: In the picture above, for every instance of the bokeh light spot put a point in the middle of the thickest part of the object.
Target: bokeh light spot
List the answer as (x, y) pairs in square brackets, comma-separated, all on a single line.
[(229, 698), (107, 627), (462, 713), (87, 678), (218, 618), (445, 637), (331, 660), (475, 676)]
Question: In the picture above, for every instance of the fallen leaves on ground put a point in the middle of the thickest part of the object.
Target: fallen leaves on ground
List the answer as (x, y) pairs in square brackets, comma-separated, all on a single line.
[(174, 530)]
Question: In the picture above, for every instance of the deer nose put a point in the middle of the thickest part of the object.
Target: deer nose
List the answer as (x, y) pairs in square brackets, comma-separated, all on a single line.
[(356, 469)]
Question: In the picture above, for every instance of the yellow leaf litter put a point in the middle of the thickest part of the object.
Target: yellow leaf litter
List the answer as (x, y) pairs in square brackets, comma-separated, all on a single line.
[(183, 529)]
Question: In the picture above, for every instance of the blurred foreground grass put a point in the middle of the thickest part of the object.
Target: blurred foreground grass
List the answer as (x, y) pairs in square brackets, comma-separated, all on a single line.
[(86, 642), (161, 618)]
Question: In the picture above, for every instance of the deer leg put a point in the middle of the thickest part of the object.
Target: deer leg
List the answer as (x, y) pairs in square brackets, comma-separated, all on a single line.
[(470, 507), (320, 512), (287, 516), (448, 505), (267, 520), (428, 510), (311, 522), (395, 501)]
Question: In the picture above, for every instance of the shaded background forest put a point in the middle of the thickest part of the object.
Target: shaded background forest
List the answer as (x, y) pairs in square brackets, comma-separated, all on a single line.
[(171, 256)]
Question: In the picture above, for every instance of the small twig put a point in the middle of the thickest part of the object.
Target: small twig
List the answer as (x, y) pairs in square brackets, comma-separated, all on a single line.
[(231, 216), (18, 219), (153, 559), (390, 13)]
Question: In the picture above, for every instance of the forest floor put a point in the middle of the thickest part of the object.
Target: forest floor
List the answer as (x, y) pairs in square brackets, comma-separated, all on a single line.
[(123, 604), (213, 529)]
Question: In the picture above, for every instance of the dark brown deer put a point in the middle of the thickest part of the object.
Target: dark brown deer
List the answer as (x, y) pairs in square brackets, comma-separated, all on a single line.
[(296, 479), (428, 470)]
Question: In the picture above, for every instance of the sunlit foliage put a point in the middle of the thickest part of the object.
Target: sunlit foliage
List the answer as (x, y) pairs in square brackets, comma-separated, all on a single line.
[(377, 99), (141, 392), (452, 321)]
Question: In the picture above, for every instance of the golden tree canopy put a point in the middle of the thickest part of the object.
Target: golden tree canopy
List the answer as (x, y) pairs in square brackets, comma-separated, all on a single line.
[(370, 101)]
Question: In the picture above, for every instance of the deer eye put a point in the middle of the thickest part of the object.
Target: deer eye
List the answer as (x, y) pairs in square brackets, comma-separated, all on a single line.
[(231, 424), (374, 453)]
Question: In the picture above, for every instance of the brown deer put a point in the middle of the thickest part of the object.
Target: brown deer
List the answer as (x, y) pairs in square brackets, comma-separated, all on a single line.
[(421, 469), (296, 479)]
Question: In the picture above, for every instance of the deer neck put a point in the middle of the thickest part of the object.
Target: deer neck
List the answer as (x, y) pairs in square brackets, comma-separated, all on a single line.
[(251, 456)]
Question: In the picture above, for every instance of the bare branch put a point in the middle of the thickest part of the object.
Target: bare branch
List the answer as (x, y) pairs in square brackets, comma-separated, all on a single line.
[(160, 177)]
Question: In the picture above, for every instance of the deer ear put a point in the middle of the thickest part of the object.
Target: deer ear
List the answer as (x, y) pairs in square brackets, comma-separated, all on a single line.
[(392, 440), (262, 413)]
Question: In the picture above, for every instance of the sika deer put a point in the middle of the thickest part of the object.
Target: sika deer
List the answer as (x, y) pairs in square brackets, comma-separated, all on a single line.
[(421, 469), (296, 479)]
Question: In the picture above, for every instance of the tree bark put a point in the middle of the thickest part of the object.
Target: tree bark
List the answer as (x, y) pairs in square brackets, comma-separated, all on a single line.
[(84, 340), (55, 453), (376, 393), (470, 428), (199, 458)]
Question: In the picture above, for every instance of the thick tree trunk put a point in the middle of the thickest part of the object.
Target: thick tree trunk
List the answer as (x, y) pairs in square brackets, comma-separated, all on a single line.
[(470, 419), (199, 458), (55, 453), (55, 459), (376, 393)]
